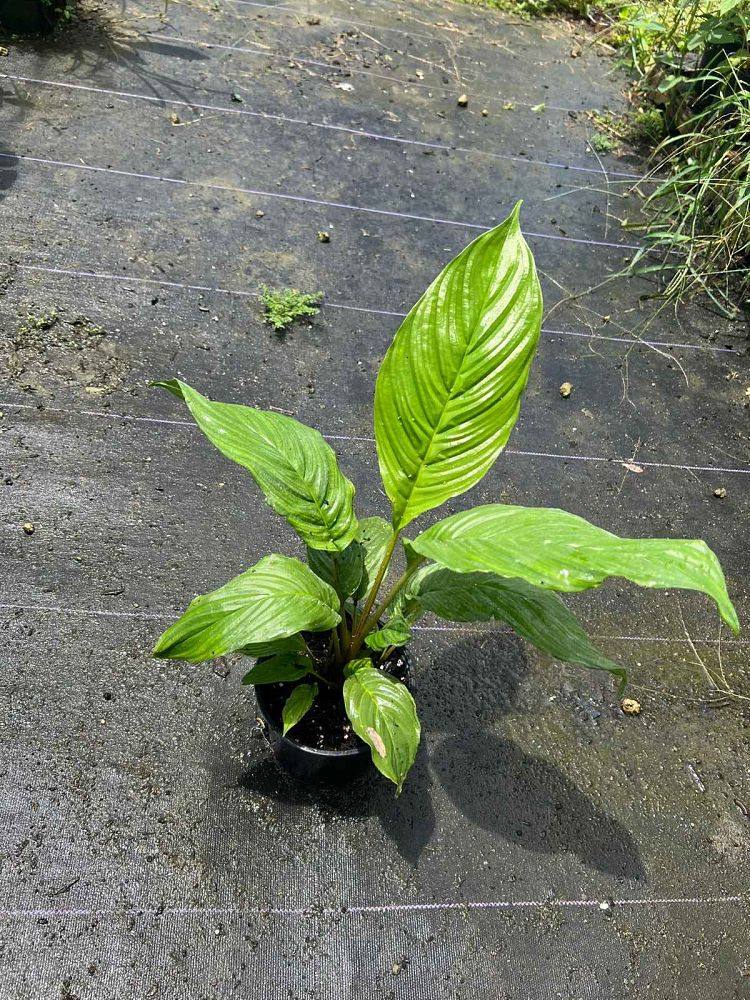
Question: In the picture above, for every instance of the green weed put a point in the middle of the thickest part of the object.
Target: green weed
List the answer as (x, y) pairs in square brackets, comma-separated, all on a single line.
[(282, 306)]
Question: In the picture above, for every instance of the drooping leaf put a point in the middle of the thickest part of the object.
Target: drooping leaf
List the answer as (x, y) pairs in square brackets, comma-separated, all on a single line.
[(449, 389), (274, 600), (283, 667), (342, 570), (555, 550), (297, 705), (394, 633), (374, 535), (383, 714), (537, 615), (292, 464)]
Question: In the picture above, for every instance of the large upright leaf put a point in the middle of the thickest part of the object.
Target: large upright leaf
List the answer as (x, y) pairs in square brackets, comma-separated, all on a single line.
[(292, 464), (383, 714), (537, 615), (449, 389), (559, 551), (275, 599)]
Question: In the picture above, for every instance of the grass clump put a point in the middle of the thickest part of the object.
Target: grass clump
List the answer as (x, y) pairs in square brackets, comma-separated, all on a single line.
[(536, 8), (695, 70), (282, 306)]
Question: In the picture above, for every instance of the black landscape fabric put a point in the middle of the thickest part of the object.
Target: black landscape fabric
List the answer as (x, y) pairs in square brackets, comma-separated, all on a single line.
[(155, 170)]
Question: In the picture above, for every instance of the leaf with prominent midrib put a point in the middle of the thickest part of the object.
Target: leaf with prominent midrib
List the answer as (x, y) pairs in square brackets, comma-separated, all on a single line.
[(275, 599), (555, 550), (383, 714), (537, 615), (395, 632), (449, 389), (297, 705), (292, 464)]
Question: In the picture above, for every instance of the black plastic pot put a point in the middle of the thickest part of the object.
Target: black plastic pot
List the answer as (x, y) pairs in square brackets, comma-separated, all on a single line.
[(29, 17), (307, 764)]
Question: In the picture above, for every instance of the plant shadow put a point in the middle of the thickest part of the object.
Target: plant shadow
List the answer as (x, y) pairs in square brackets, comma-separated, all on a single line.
[(408, 820), (464, 693), (120, 36), (8, 169), (495, 784)]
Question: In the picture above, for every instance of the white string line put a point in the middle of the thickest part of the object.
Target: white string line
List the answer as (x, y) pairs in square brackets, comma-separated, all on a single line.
[(346, 71), (151, 616), (603, 638), (371, 440), (183, 286), (364, 909), (304, 199), (362, 133)]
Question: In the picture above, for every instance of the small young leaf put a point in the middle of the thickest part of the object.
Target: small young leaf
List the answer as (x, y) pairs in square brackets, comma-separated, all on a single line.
[(292, 464), (298, 704), (274, 600), (284, 667), (383, 714), (394, 633)]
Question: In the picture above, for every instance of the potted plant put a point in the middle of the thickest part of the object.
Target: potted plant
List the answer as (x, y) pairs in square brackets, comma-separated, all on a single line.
[(332, 678), (32, 17)]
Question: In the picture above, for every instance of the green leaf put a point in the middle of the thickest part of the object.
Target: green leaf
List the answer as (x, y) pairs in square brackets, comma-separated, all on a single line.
[(559, 551), (537, 615), (297, 705), (284, 667), (374, 535), (342, 570), (293, 644), (275, 599), (292, 464), (394, 633), (449, 389), (383, 714)]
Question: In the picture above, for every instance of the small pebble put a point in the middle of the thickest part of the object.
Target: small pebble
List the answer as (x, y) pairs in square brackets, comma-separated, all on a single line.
[(630, 706), (4, 51), (720, 492), (565, 389), (237, 99), (175, 118), (485, 112), (463, 100), (259, 214), (313, 20), (324, 237), (28, 528)]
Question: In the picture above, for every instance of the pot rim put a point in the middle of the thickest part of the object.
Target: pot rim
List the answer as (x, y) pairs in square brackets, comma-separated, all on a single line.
[(356, 751)]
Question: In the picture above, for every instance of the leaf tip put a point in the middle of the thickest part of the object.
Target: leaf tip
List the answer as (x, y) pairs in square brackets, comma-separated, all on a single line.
[(172, 385)]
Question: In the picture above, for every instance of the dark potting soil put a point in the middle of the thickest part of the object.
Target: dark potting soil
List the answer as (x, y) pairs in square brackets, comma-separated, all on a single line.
[(326, 726)]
